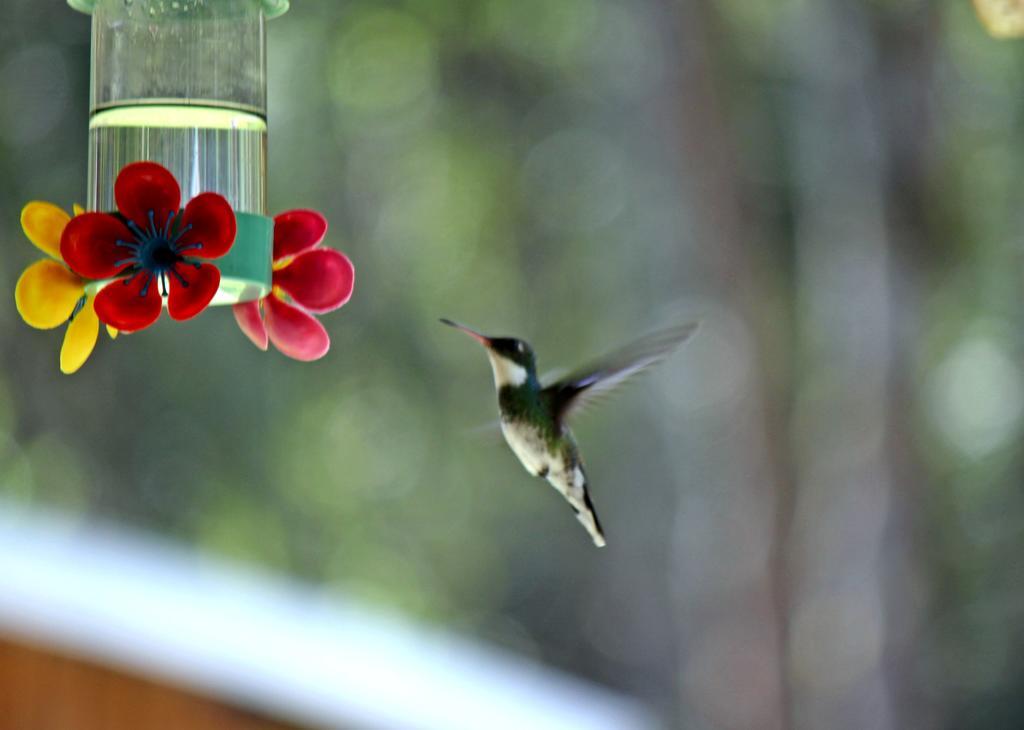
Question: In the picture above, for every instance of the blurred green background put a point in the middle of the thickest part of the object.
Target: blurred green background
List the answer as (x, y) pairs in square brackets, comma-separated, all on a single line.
[(814, 510)]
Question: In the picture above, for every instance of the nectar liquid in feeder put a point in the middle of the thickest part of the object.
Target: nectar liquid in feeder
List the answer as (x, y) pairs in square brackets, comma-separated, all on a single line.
[(207, 149), (183, 83)]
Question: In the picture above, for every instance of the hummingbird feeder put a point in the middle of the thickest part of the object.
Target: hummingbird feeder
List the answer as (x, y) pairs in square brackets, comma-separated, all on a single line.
[(176, 204)]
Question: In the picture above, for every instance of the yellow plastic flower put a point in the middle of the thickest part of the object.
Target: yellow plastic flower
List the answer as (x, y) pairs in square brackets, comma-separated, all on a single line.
[(48, 293), (1001, 18)]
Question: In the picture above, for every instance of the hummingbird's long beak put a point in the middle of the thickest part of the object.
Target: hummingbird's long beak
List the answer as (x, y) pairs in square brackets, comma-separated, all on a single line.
[(485, 341)]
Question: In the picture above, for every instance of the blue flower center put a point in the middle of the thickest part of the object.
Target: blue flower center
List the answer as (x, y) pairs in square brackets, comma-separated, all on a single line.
[(156, 252)]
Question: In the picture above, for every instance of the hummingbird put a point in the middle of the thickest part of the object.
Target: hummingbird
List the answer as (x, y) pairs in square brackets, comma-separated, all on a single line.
[(534, 416)]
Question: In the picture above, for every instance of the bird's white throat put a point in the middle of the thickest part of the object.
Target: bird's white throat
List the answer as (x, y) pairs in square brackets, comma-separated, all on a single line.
[(506, 372)]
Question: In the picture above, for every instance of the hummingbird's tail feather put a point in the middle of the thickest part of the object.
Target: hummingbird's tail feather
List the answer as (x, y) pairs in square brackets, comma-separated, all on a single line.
[(578, 497), (588, 517), (571, 482)]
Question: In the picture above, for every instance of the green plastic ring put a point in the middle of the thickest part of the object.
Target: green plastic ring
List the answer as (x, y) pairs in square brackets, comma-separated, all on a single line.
[(245, 270), (271, 8)]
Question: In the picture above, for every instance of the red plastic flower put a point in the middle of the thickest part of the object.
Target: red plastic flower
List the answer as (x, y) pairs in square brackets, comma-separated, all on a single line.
[(154, 244), (307, 279)]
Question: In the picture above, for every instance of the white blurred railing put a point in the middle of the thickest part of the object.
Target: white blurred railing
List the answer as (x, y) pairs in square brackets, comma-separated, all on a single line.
[(136, 603)]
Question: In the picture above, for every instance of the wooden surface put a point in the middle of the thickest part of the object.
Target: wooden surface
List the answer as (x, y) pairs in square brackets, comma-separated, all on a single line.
[(40, 690)]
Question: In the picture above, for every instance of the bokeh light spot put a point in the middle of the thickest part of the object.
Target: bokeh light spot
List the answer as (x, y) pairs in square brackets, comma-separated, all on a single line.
[(550, 33), (574, 180), (835, 639), (976, 396), (384, 63)]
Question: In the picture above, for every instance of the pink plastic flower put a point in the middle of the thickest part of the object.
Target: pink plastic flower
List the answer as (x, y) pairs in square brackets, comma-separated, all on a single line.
[(307, 279)]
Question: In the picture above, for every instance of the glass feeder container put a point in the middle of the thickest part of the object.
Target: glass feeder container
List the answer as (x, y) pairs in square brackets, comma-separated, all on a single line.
[(183, 83)]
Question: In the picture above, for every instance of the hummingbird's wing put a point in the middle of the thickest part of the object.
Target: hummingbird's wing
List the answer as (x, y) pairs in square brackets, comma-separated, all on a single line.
[(582, 387), (485, 432)]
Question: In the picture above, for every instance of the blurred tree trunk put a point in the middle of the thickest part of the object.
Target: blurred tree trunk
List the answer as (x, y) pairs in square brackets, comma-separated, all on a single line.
[(733, 597), (905, 75), (861, 137), (845, 482), (819, 637)]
